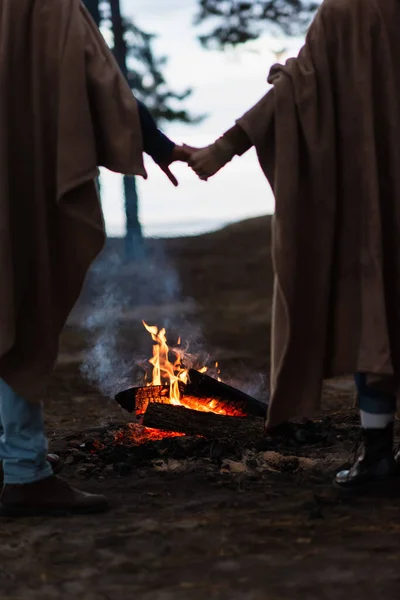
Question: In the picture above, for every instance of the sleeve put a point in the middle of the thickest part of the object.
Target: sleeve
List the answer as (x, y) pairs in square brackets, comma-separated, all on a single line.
[(247, 132), (234, 142), (238, 140), (256, 122), (155, 143)]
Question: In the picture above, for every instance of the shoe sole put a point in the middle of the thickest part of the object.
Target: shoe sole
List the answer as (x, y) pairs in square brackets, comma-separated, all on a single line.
[(14, 512)]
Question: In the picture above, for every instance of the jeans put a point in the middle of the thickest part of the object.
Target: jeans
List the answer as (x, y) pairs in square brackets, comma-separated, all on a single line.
[(373, 401), (23, 444)]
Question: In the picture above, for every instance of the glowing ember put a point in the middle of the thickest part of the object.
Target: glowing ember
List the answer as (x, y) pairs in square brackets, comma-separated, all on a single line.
[(138, 434), (213, 405), (167, 383), (173, 374), (96, 446)]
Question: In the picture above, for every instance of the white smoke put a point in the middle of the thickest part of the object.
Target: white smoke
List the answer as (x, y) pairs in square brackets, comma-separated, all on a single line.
[(121, 296)]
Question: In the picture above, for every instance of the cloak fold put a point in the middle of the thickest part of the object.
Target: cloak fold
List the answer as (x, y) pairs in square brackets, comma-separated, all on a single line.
[(65, 110), (328, 140)]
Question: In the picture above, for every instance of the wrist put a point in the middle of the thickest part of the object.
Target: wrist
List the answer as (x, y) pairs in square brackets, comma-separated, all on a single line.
[(178, 153), (223, 151)]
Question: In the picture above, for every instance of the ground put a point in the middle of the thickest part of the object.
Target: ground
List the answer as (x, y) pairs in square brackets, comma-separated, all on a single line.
[(258, 523)]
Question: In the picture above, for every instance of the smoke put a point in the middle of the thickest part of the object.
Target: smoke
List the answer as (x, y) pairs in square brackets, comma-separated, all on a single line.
[(252, 383), (117, 297), (103, 365)]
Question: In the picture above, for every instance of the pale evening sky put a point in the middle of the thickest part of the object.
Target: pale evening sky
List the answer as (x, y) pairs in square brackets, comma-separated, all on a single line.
[(225, 85)]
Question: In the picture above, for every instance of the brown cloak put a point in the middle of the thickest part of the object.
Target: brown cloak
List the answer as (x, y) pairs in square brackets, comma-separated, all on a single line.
[(65, 109), (328, 139)]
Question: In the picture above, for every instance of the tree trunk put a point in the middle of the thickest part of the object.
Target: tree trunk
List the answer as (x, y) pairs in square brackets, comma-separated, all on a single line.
[(134, 239), (134, 246), (94, 10)]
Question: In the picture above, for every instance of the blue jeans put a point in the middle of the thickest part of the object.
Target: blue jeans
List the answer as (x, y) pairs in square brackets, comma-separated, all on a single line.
[(373, 401), (23, 444)]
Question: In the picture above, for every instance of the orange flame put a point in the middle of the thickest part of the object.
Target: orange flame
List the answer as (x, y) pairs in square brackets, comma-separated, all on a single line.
[(169, 377), (163, 369), (174, 374)]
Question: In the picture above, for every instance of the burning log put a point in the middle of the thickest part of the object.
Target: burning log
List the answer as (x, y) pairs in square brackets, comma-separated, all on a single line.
[(136, 400), (202, 393), (202, 386), (182, 400), (207, 424)]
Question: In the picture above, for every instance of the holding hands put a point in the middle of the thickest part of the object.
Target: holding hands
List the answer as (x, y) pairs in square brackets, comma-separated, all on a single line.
[(179, 154), (205, 162)]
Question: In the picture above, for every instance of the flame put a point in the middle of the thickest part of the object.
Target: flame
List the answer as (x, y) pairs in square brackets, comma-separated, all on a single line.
[(163, 369), (214, 405), (174, 374), (169, 377)]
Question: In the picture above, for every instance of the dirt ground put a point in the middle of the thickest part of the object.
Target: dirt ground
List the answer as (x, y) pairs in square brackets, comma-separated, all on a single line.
[(260, 524)]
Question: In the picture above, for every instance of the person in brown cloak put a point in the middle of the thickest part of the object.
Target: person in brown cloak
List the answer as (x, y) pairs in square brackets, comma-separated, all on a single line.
[(65, 110), (327, 139)]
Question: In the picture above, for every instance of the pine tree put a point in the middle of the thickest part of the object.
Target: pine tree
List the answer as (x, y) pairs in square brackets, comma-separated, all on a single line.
[(135, 55), (237, 21), (148, 82)]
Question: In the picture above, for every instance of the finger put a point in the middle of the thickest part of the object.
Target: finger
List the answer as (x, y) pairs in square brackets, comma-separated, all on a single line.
[(199, 172), (183, 153), (170, 176), (198, 167), (189, 152), (190, 149), (196, 158), (202, 173)]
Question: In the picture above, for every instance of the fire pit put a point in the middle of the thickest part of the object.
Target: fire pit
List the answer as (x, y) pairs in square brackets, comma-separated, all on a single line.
[(201, 393), (178, 399)]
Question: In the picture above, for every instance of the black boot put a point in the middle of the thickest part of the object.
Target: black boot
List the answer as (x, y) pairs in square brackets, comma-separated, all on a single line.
[(376, 464)]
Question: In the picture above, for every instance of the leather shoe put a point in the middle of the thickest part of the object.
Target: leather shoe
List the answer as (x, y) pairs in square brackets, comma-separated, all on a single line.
[(50, 497)]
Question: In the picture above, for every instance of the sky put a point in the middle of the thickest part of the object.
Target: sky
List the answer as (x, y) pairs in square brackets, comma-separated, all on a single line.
[(225, 84)]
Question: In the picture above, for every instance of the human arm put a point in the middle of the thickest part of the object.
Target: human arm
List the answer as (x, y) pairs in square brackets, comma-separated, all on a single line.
[(157, 145), (234, 142), (209, 160)]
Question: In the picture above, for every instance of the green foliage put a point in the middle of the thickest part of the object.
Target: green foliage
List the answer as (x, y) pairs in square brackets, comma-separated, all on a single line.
[(146, 78), (234, 22), (144, 69)]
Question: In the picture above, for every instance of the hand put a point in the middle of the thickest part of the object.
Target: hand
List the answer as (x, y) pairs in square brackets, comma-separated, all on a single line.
[(179, 153), (206, 162)]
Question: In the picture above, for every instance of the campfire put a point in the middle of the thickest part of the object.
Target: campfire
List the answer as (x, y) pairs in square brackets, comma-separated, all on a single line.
[(178, 400)]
